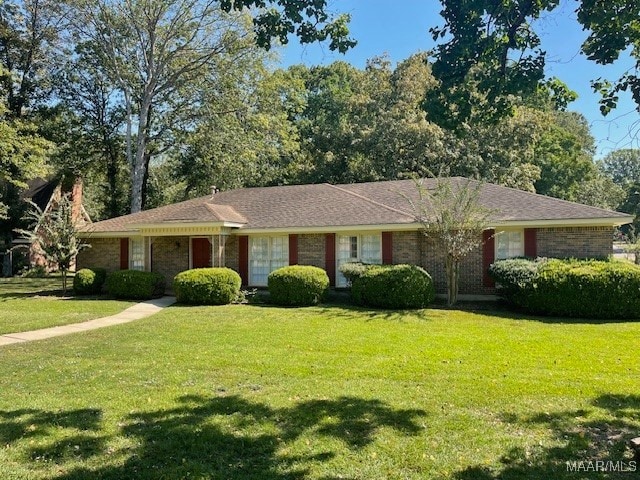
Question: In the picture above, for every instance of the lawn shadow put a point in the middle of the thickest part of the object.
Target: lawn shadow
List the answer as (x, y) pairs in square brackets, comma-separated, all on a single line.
[(582, 436), (231, 437), (357, 312), (19, 287), (514, 313), (82, 425)]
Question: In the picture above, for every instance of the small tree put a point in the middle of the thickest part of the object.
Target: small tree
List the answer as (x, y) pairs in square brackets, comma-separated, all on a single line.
[(55, 234), (450, 212)]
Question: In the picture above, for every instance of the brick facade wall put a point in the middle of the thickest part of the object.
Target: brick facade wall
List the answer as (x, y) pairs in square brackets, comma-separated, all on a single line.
[(231, 253), (576, 242), (104, 253), (311, 250), (407, 247), (170, 256), (418, 249)]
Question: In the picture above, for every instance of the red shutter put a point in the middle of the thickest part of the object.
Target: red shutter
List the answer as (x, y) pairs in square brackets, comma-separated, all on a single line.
[(243, 258), (330, 257), (530, 243), (488, 256), (124, 254), (387, 248), (293, 249)]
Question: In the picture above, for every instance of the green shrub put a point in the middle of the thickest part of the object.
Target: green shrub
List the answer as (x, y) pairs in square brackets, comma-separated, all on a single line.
[(298, 285), (514, 277), (89, 281), (575, 288), (354, 270), (394, 286), (135, 285), (207, 286), (594, 289)]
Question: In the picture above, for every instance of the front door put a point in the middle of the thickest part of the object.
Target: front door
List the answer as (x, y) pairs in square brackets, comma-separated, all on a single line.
[(200, 253)]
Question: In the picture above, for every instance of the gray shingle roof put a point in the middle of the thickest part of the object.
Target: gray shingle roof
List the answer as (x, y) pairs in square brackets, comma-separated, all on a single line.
[(359, 204)]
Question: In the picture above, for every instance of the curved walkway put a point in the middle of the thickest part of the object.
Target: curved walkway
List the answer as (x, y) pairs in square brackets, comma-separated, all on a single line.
[(136, 312)]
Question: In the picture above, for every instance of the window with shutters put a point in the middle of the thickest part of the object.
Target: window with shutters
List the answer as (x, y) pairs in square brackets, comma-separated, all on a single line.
[(266, 254), (509, 244), (136, 253), (357, 248)]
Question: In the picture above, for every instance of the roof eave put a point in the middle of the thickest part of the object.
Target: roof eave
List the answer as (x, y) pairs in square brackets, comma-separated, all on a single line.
[(566, 222)]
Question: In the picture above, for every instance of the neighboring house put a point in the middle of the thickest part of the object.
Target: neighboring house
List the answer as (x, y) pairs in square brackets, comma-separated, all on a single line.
[(256, 230), (45, 193)]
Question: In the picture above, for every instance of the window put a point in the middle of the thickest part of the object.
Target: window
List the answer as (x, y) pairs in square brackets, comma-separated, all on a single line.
[(509, 244), (136, 257), (266, 254), (357, 248)]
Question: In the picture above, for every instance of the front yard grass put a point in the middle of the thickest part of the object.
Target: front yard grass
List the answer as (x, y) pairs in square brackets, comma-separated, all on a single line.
[(250, 392), (34, 303)]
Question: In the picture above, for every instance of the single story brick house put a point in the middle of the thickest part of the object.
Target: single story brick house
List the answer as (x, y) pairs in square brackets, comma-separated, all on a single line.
[(256, 230)]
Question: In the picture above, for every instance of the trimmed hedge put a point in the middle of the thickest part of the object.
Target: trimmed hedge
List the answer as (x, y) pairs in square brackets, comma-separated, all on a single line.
[(297, 285), (577, 288), (514, 277), (135, 285), (89, 281), (394, 286), (354, 270), (207, 286)]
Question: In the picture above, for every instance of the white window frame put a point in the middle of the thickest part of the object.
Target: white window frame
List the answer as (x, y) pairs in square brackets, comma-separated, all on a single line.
[(270, 238), (208, 237), (132, 241), (519, 253), (341, 281)]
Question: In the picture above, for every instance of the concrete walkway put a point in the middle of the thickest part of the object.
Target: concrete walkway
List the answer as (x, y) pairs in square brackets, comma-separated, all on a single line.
[(138, 311)]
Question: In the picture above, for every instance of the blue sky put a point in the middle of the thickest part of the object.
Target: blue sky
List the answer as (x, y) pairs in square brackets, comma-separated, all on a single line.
[(401, 27)]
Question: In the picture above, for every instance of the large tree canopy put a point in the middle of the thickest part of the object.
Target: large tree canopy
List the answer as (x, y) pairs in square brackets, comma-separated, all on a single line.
[(158, 52), (494, 46)]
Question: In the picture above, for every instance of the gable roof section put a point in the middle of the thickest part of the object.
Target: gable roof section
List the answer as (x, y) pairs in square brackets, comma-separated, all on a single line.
[(349, 205), (508, 204), (197, 210)]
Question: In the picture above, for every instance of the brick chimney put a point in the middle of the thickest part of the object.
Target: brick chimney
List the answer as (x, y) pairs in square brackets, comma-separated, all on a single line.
[(76, 201)]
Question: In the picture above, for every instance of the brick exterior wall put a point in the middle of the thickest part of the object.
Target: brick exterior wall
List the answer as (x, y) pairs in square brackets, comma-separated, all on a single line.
[(407, 247), (418, 249), (170, 256), (576, 242), (311, 250), (104, 253), (231, 253)]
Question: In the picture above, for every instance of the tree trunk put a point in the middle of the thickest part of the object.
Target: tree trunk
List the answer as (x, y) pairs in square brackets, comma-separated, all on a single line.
[(138, 168), (64, 282), (112, 177), (145, 182), (453, 276)]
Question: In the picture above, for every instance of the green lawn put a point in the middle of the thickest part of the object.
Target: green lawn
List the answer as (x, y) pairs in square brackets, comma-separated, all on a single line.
[(33, 303), (251, 392)]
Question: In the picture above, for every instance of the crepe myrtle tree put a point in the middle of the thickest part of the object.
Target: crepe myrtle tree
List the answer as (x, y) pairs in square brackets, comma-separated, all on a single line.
[(55, 234), (451, 214)]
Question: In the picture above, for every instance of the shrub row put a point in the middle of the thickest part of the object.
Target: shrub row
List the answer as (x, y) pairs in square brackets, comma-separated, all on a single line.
[(573, 288), (385, 286), (389, 286)]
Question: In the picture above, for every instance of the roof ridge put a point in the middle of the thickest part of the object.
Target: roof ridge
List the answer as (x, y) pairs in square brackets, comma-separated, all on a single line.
[(362, 197)]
